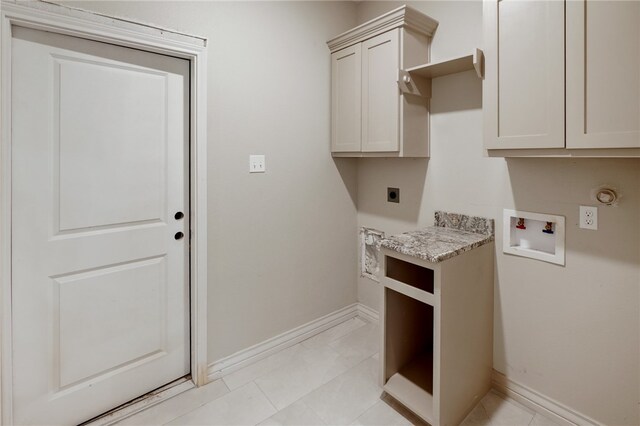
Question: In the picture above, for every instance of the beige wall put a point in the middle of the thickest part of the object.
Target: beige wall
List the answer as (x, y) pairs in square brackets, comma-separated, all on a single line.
[(570, 333), (281, 245)]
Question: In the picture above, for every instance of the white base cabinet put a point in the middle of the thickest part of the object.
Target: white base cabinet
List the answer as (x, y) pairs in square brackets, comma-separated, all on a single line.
[(437, 332)]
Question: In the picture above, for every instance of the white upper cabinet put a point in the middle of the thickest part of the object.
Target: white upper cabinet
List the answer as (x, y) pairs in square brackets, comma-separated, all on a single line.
[(523, 96), (370, 115), (562, 78), (603, 74)]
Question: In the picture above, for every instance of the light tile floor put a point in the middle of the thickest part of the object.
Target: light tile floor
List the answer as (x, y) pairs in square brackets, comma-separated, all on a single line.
[(329, 379)]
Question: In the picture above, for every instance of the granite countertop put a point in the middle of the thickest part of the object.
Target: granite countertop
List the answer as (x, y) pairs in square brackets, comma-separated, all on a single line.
[(452, 235)]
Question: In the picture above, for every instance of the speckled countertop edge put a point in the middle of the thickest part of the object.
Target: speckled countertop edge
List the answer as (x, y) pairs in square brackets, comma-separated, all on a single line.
[(435, 244), (453, 234)]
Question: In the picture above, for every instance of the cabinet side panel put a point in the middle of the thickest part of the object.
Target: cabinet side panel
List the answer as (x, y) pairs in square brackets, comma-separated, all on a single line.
[(414, 49), (525, 74), (415, 126), (414, 110), (603, 74), (380, 93), (345, 99), (466, 327)]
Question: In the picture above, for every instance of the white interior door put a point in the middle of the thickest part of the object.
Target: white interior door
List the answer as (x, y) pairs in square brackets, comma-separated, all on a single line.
[(99, 280)]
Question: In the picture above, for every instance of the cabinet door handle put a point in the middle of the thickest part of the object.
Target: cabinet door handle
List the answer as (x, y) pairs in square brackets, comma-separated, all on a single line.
[(178, 236)]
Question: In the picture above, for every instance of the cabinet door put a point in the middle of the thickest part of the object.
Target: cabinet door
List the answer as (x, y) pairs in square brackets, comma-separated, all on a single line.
[(346, 100), (603, 74), (523, 96), (380, 93)]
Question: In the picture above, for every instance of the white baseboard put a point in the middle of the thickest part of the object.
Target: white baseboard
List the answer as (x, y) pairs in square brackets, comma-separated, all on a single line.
[(539, 403), (367, 313), (289, 338)]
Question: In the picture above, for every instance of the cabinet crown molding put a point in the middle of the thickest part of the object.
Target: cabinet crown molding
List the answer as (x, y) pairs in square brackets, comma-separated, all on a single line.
[(402, 17)]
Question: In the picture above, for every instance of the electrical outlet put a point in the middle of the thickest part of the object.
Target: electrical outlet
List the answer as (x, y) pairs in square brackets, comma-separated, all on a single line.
[(589, 217), (256, 164)]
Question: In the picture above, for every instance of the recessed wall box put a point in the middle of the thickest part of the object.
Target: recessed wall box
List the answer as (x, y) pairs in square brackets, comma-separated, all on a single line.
[(393, 195), (535, 235)]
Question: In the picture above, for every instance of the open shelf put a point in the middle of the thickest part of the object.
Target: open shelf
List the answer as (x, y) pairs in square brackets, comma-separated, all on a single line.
[(438, 69), (450, 66), (417, 80), (413, 385)]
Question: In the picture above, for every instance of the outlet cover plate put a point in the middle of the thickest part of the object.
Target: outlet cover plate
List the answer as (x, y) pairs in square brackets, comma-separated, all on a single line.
[(589, 217), (257, 164)]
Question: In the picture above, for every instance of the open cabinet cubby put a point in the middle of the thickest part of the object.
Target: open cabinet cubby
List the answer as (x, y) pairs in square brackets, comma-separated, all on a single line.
[(410, 274), (409, 349), (437, 332)]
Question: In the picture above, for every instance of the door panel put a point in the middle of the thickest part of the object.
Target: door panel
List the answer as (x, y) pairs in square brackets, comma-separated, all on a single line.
[(90, 194), (523, 96), (346, 101), (100, 285), (380, 93), (94, 338), (603, 74)]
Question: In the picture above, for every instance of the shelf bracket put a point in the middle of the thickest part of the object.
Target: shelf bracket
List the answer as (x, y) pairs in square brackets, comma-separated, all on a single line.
[(478, 63), (414, 84)]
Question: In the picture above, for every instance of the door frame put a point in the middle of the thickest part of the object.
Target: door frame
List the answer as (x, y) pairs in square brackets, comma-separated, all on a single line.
[(88, 25)]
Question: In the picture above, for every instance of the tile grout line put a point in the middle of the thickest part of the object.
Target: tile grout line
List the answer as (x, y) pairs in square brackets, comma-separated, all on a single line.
[(293, 402), (319, 386), (513, 402), (377, 386), (339, 337), (303, 347), (203, 404), (365, 412), (263, 373), (486, 412), (313, 390), (326, 345), (312, 409), (269, 400)]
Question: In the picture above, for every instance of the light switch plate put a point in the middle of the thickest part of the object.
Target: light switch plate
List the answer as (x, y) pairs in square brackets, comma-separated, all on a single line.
[(257, 164)]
